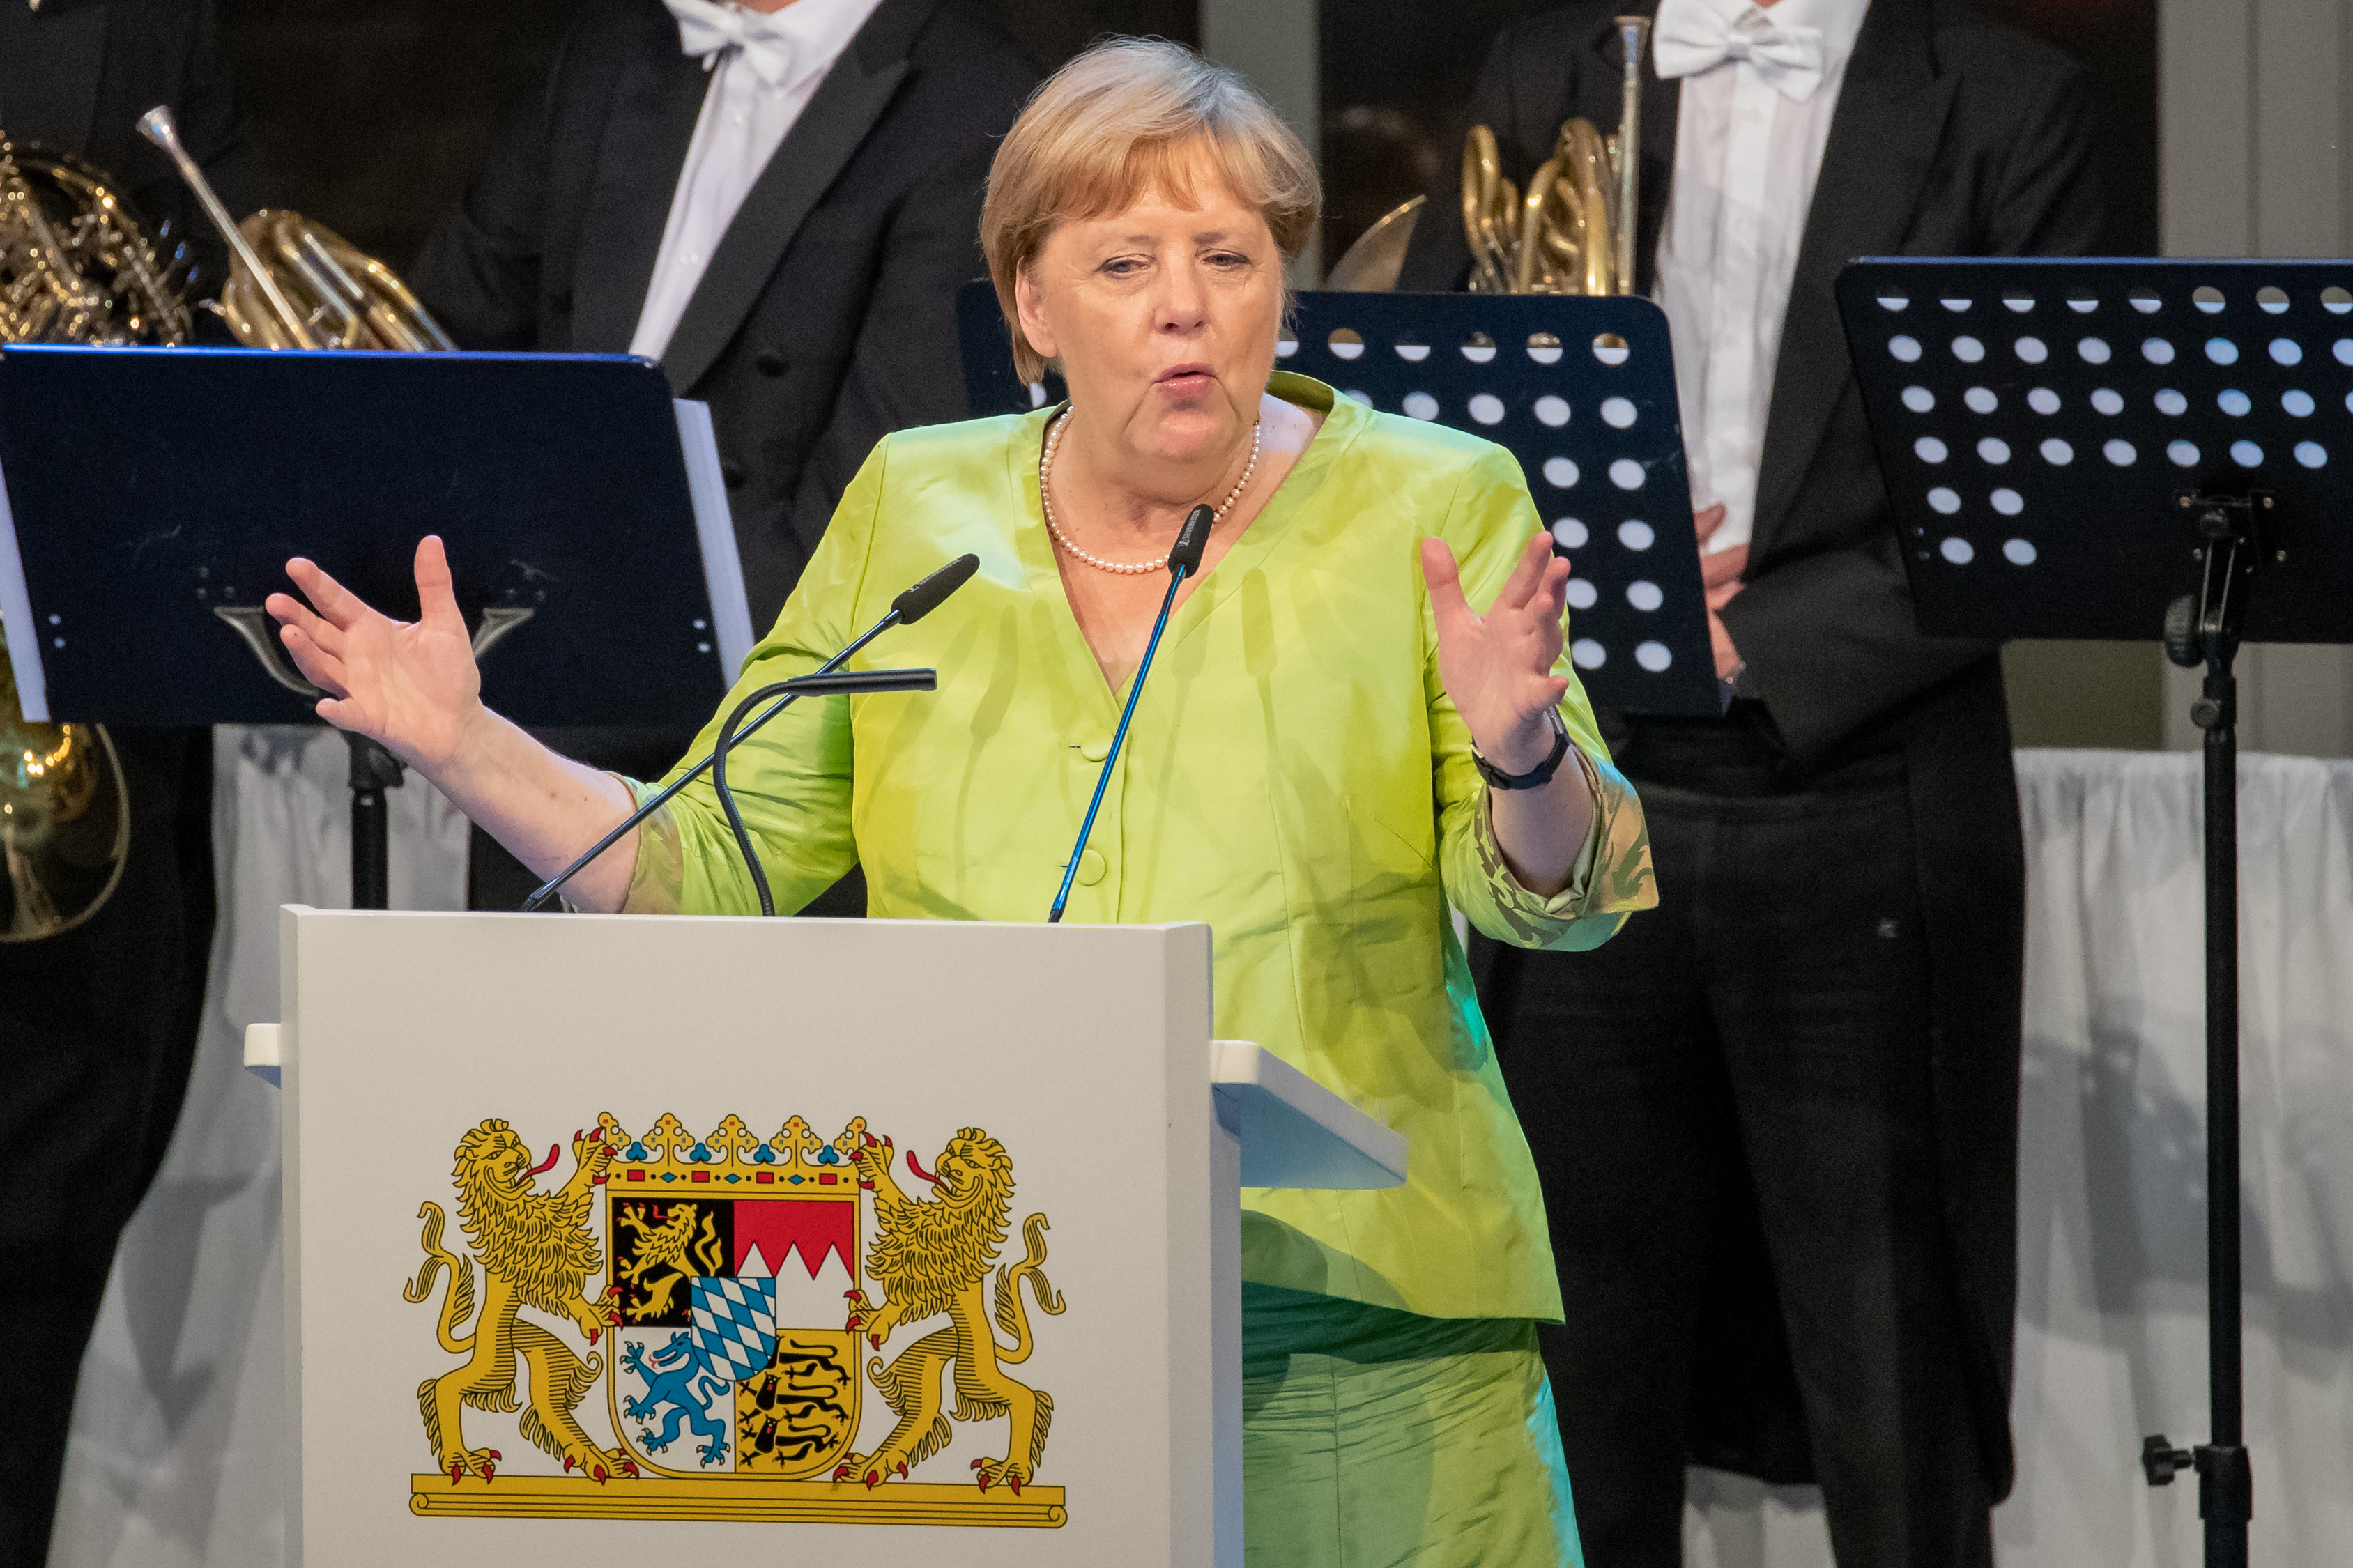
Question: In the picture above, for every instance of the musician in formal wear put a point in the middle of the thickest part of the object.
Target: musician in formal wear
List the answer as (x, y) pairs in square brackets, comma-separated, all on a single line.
[(98, 1023), (1340, 746), (1778, 1124), (777, 199)]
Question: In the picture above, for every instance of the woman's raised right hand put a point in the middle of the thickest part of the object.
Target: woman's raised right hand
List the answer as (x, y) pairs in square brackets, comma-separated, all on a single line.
[(411, 685)]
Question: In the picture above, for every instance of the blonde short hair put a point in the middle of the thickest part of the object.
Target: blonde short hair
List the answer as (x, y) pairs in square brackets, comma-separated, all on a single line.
[(1123, 119)]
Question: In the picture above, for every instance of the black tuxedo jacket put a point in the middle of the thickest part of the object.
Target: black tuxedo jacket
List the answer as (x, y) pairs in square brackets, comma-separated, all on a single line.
[(826, 316), (1953, 136), (76, 76)]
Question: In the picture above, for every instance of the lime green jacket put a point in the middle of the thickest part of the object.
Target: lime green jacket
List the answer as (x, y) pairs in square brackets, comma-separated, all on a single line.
[(1295, 777)]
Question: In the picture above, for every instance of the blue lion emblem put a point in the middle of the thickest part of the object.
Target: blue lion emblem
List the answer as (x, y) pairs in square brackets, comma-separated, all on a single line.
[(681, 1378)]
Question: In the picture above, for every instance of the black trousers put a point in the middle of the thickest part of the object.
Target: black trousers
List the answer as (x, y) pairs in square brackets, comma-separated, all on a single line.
[(1729, 1104), (97, 1030)]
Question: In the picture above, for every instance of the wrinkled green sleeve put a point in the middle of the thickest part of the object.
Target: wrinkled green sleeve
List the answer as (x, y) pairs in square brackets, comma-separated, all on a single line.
[(1488, 525), (791, 781)]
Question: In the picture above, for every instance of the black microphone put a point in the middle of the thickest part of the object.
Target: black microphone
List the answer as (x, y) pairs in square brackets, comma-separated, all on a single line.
[(1184, 560), (906, 610), (1185, 555), (925, 597)]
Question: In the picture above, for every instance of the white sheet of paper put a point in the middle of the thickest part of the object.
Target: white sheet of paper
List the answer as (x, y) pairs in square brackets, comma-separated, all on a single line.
[(714, 525), (24, 636)]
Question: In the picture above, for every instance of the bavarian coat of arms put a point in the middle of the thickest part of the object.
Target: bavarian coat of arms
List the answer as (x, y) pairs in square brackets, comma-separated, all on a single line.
[(728, 1300)]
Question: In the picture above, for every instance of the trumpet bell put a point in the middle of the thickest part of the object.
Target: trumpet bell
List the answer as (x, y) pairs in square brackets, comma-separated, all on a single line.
[(64, 828)]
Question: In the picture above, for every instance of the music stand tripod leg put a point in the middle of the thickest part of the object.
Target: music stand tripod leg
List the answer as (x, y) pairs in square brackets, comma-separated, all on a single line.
[(2206, 631)]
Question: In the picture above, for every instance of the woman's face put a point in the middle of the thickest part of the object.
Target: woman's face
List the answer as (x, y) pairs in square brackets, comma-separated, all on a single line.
[(1163, 316)]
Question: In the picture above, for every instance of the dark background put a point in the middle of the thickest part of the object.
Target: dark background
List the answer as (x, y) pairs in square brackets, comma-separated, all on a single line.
[(374, 114)]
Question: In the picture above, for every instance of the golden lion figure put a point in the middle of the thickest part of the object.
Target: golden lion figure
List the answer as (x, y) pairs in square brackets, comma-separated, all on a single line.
[(673, 1245), (536, 1251), (933, 1256)]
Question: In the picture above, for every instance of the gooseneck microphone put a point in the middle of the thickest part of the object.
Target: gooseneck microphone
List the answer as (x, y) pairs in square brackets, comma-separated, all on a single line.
[(847, 683), (1184, 560), (828, 679)]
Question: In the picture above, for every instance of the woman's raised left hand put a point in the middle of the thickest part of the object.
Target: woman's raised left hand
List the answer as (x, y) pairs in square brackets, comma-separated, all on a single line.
[(1498, 666)]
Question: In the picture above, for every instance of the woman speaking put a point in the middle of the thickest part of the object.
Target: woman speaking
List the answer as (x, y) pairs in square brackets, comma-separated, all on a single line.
[(1335, 745)]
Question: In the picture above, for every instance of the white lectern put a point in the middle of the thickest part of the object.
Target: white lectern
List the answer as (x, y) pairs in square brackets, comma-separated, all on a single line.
[(881, 1241)]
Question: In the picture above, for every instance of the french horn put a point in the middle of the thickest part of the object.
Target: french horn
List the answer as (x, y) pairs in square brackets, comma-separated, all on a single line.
[(76, 265), (1573, 231), (294, 283)]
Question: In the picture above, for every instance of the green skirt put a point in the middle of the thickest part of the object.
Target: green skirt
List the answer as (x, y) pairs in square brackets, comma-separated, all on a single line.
[(1374, 1438)]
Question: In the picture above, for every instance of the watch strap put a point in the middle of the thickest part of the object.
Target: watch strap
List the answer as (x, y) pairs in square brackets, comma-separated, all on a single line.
[(1536, 777)]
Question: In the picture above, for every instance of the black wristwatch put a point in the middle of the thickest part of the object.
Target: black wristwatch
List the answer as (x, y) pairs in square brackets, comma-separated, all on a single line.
[(1536, 777)]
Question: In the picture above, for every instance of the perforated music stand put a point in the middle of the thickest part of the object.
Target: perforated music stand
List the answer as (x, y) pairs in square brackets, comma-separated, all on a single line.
[(152, 497), (2092, 449), (1582, 390)]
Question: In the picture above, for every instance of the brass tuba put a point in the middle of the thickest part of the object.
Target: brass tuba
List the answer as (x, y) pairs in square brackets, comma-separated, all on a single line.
[(76, 266), (1573, 232), (296, 284)]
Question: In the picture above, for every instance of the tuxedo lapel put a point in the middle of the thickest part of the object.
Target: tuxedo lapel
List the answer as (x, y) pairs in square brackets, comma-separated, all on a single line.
[(644, 147), (48, 83), (813, 153), (1884, 137)]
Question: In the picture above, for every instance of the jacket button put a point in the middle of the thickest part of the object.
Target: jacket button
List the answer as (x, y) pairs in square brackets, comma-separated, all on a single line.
[(733, 473), (1092, 866), (769, 363), (1095, 749)]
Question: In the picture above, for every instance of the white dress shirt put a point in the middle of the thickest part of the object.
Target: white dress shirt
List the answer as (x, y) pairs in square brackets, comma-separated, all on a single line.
[(757, 90), (1750, 134)]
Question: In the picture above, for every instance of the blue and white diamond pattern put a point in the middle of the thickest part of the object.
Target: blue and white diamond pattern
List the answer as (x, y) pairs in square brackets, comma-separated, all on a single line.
[(735, 1325)]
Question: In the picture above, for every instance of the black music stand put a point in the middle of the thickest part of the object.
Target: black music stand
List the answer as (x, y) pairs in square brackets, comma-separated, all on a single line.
[(2092, 449), (153, 495), (1582, 390)]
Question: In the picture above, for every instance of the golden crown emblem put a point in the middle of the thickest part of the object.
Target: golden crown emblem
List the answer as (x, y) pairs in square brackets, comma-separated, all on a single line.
[(666, 1160)]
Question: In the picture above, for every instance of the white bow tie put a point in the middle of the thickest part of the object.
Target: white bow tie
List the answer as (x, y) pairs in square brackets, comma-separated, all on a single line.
[(706, 29), (1693, 37)]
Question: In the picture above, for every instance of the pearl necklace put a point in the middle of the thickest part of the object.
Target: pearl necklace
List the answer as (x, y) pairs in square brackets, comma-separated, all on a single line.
[(1046, 503)]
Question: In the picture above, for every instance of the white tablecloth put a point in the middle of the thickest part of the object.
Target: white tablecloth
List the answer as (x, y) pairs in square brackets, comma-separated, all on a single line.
[(178, 1451)]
